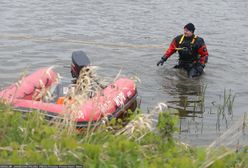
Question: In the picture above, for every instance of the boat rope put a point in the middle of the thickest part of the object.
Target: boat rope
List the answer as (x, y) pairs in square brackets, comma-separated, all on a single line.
[(83, 42)]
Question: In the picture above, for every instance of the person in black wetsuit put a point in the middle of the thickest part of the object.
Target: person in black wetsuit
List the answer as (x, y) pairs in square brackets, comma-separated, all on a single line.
[(193, 53)]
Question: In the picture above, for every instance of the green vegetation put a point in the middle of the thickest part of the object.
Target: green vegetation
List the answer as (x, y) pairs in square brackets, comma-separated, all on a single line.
[(225, 109), (33, 140)]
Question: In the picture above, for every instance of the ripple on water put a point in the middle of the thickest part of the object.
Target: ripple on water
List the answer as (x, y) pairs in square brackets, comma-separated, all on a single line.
[(37, 33)]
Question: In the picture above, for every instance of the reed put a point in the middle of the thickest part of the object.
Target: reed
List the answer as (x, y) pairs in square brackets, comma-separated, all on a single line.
[(225, 110), (146, 140)]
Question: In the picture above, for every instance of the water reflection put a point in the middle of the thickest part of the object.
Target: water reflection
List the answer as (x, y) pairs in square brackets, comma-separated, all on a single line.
[(187, 96)]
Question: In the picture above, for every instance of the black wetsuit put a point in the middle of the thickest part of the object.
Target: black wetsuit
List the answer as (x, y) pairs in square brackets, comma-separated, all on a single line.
[(193, 54)]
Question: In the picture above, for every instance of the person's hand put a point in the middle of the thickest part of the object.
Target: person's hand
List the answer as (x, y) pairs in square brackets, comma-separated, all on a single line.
[(161, 62), (199, 67)]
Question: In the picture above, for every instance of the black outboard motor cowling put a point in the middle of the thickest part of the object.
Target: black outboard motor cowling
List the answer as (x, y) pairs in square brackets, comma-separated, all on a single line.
[(79, 60)]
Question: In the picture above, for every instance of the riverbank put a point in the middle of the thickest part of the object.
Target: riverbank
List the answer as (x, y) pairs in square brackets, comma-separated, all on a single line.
[(33, 140)]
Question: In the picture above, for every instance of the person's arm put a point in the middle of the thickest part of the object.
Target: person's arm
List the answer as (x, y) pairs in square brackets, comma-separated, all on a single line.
[(171, 50), (203, 53), (168, 53)]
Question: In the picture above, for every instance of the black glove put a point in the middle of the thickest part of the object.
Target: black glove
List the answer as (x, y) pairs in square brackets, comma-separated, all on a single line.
[(196, 70), (199, 67), (161, 62)]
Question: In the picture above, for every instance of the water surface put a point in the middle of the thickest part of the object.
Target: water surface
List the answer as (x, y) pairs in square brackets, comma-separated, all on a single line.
[(131, 36)]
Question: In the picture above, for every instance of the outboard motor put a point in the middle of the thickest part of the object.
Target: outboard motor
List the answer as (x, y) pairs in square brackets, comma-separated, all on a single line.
[(79, 60)]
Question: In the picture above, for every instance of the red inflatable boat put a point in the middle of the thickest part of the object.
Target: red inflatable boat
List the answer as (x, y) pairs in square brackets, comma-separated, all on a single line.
[(112, 100)]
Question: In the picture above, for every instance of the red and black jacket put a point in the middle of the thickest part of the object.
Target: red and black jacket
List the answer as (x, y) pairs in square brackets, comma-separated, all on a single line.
[(190, 49)]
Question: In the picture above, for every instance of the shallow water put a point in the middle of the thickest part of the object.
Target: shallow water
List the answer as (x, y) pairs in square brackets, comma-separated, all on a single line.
[(131, 36)]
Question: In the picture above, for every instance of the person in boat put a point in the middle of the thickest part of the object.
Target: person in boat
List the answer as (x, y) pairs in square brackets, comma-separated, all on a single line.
[(192, 50)]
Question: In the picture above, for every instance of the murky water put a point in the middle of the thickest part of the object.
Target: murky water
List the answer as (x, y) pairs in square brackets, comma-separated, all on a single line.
[(131, 36)]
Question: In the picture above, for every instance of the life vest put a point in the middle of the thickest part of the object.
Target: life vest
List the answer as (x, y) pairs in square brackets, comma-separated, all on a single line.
[(186, 49)]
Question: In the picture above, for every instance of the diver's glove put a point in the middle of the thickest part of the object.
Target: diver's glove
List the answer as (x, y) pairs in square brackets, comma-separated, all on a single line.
[(199, 67), (161, 62), (196, 70)]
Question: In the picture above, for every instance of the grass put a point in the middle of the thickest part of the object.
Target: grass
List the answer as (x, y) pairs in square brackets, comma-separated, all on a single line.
[(33, 140), (225, 109), (146, 141)]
